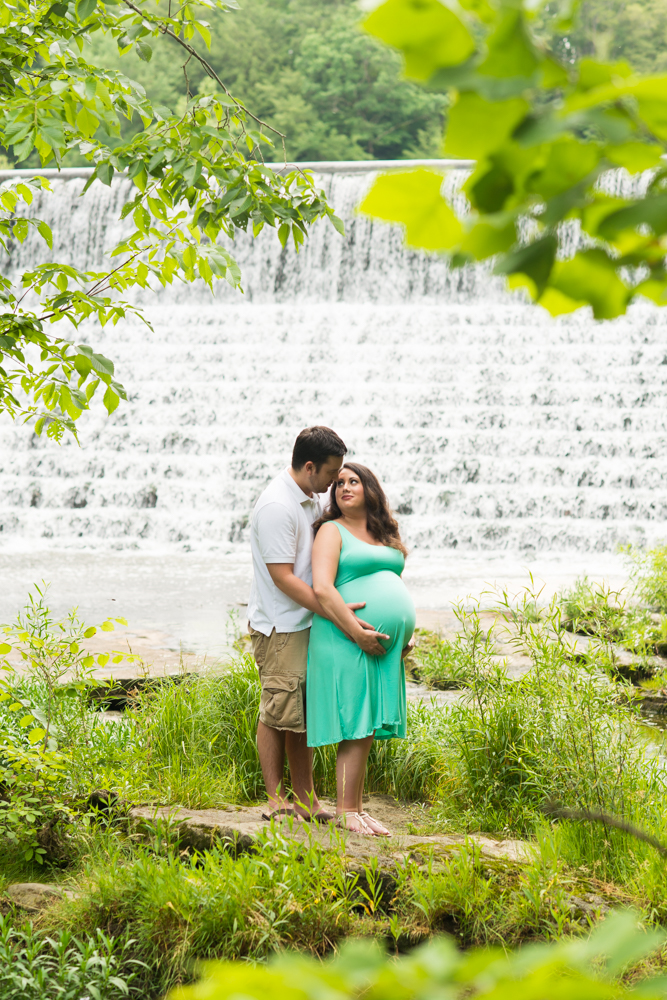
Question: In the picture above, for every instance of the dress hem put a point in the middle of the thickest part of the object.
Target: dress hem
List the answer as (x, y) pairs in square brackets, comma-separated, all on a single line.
[(328, 743)]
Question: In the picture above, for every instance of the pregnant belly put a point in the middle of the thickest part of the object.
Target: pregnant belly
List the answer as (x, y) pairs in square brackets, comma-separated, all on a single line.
[(389, 606)]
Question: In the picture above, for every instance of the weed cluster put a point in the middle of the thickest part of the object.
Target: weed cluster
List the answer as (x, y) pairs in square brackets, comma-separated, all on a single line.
[(649, 572), (595, 610), (34, 965), (437, 662)]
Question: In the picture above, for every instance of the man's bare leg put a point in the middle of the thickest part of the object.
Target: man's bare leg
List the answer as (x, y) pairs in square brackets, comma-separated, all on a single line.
[(300, 757), (271, 750)]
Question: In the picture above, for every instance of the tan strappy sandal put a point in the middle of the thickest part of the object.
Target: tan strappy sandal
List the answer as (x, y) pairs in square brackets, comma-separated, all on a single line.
[(364, 831), (376, 826)]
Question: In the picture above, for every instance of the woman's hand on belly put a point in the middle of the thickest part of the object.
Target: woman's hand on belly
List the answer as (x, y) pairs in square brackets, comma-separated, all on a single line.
[(408, 649)]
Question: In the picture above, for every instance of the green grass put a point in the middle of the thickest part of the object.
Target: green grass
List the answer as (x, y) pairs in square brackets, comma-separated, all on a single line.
[(295, 895)]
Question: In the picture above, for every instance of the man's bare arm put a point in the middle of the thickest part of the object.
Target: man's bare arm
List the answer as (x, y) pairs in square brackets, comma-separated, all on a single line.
[(301, 593), (298, 590)]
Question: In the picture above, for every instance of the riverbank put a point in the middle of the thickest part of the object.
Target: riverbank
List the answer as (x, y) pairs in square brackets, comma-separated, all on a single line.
[(148, 821), (179, 605)]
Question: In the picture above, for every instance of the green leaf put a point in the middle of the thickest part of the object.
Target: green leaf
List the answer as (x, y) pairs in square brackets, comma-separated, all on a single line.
[(590, 277), (592, 73), (46, 234), (144, 51), (110, 400), (414, 199), (104, 172), (477, 126), (485, 240), (428, 34), (534, 261), (484, 11), (36, 735), (338, 224), (87, 123), (568, 162), (84, 8), (651, 211), (107, 626), (510, 50), (5, 648), (283, 233), (634, 156), (103, 659), (90, 632)]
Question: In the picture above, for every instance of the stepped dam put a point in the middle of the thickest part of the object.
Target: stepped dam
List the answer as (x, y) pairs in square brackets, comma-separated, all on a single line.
[(495, 428)]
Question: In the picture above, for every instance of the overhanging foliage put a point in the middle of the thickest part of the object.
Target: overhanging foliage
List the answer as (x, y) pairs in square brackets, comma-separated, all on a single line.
[(197, 175), (543, 133)]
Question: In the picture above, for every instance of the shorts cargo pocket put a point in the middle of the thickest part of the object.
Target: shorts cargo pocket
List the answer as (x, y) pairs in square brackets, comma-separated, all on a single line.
[(281, 705)]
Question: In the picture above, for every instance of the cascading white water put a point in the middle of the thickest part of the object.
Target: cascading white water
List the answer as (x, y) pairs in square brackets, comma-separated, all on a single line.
[(492, 426)]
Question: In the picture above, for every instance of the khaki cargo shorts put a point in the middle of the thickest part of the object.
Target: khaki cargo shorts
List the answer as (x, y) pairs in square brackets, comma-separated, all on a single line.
[(282, 658)]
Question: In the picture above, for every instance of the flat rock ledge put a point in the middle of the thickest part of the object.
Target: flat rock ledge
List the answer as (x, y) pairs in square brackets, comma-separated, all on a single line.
[(239, 827), (34, 896)]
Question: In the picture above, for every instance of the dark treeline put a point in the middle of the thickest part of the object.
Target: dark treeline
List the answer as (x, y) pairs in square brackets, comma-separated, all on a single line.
[(305, 68)]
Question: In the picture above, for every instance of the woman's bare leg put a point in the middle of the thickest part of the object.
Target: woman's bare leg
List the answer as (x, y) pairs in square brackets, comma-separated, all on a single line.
[(350, 774)]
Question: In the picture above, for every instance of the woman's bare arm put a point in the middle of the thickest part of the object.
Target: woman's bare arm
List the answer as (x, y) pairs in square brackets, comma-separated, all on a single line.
[(326, 556)]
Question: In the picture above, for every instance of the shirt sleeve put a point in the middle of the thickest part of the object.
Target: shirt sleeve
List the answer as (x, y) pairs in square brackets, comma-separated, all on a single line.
[(275, 528)]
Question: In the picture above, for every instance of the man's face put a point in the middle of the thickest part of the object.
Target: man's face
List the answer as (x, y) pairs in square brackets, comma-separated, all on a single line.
[(328, 472)]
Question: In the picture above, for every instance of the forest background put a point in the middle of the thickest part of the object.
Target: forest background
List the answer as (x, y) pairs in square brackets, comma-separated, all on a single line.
[(336, 92)]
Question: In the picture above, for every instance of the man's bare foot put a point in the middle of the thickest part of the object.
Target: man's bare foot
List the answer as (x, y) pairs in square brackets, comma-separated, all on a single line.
[(355, 823), (376, 826), (279, 812), (318, 815)]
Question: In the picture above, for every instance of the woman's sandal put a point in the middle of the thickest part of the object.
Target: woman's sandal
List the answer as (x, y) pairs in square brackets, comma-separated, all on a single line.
[(364, 829), (375, 825)]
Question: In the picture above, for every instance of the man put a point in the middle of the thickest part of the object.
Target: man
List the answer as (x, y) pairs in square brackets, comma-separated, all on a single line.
[(280, 611)]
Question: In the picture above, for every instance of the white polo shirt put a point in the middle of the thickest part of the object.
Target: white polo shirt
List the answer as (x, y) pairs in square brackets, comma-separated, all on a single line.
[(281, 532)]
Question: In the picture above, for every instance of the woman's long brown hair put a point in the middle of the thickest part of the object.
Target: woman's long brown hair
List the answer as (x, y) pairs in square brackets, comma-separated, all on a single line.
[(380, 522)]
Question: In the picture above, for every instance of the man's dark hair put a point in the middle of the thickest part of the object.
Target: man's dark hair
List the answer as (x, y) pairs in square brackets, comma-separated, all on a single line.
[(316, 444)]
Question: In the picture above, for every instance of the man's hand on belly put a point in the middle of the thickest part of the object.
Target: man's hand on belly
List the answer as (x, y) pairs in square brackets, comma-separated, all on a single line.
[(356, 607), (408, 649)]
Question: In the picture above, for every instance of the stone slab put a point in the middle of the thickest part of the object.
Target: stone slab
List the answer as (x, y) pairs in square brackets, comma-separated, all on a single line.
[(240, 826), (34, 896)]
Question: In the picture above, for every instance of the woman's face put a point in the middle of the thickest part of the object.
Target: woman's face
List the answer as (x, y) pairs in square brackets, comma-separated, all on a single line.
[(350, 492)]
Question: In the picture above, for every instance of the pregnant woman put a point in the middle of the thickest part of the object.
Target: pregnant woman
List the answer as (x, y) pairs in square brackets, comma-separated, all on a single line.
[(354, 697)]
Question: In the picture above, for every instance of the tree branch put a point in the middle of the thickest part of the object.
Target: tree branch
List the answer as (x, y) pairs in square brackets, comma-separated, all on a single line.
[(559, 812), (203, 62)]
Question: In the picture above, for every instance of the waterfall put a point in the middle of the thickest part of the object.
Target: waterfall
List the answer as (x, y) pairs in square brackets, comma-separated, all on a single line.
[(492, 426)]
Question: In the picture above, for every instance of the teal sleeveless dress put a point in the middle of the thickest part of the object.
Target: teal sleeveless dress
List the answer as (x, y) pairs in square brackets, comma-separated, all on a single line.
[(349, 693)]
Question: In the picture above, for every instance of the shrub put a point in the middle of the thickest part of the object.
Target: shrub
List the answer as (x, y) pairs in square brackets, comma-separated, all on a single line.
[(576, 970)]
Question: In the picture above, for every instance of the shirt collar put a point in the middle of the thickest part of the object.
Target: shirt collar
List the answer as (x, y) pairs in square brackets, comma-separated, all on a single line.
[(296, 490)]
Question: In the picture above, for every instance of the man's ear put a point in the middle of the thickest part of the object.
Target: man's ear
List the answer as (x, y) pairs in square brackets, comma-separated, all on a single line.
[(309, 468)]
